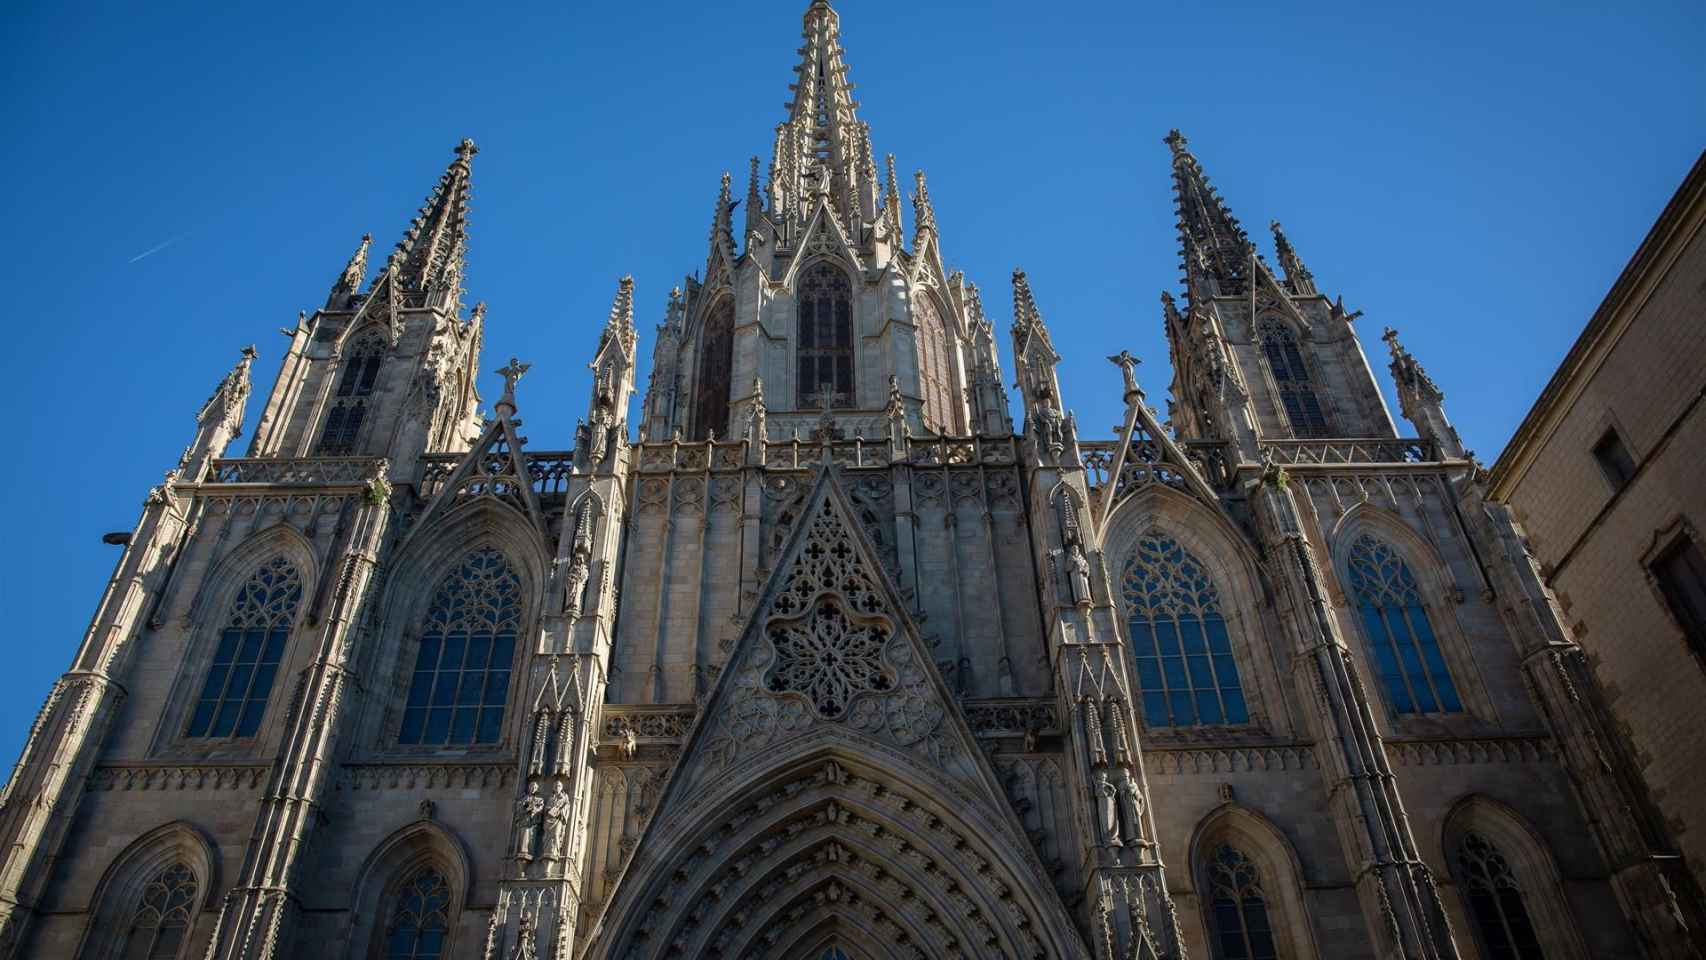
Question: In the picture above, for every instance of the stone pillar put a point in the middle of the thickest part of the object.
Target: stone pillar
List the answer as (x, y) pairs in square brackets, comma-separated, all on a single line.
[(1400, 900), (40, 801), (256, 917), (1655, 888), (1132, 916)]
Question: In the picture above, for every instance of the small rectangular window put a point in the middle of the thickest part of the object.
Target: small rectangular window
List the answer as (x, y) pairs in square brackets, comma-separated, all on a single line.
[(1614, 459), (1681, 574)]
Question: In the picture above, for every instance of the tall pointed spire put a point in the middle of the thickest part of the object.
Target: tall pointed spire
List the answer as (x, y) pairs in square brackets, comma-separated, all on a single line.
[(1421, 400), (355, 274), (1297, 276), (430, 256), (923, 214), (1215, 248), (891, 203), (823, 137), (722, 226), (754, 199)]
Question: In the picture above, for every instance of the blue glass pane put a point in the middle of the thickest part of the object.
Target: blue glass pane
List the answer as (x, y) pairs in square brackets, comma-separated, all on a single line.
[(419, 689), (225, 720), (1148, 673), (1173, 669), (263, 682), (1190, 629), (203, 716), (469, 695), (438, 725), (1227, 670), (462, 728), (1217, 641), (1167, 637), (444, 692), (479, 648), (215, 684), (414, 722), (240, 680), (454, 645), (275, 646), (227, 646), (1180, 702), (491, 724), (503, 650), (251, 719), (1201, 675), (1155, 709), (1236, 712), (497, 687), (428, 657), (251, 649), (1208, 707)]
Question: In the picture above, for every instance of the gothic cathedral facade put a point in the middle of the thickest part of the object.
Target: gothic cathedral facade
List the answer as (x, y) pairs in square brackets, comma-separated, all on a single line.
[(825, 656)]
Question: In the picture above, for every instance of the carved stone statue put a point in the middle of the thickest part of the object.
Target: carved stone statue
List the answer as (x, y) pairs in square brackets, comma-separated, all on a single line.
[(557, 821), (1078, 566), (529, 814), (526, 942), (1131, 810), (1108, 807)]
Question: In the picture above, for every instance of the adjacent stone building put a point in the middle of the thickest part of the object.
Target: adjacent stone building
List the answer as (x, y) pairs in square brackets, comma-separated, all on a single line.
[(1605, 476), (823, 657)]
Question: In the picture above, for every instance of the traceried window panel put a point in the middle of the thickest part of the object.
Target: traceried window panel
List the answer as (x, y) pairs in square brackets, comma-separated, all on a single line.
[(716, 362), (1406, 653), (251, 645), (825, 347), (462, 671), (1185, 669), (161, 923), (1496, 901), (1237, 909), (420, 919), (935, 367), (1291, 375), (349, 404)]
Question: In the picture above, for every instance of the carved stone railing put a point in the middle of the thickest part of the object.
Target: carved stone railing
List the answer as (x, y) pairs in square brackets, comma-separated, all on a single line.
[(306, 471), (1296, 453), (662, 723), (1013, 716), (549, 470), (856, 453)]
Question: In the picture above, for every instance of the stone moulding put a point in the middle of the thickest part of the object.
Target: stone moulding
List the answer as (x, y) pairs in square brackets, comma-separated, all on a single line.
[(1429, 753), (178, 777), (416, 776)]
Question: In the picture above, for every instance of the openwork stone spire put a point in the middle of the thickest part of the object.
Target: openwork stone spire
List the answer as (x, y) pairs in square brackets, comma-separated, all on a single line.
[(355, 274), (821, 148), (1215, 248), (430, 257), (1297, 276)]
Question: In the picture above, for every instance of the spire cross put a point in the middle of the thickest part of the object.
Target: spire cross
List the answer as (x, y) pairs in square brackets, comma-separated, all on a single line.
[(465, 150), (511, 373), (1127, 362)]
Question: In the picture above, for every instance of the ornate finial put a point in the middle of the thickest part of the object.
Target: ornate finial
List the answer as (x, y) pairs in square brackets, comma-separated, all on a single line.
[(894, 407), (1127, 363), (479, 315), (758, 391), (465, 150), (1176, 140), (923, 215), (511, 373)]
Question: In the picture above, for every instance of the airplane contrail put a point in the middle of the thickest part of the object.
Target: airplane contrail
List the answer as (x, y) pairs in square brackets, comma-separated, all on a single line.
[(156, 248)]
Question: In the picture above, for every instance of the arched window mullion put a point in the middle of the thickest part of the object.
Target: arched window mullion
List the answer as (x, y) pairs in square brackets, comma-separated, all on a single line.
[(1399, 633), (825, 344), (248, 653), (460, 686), (1173, 609)]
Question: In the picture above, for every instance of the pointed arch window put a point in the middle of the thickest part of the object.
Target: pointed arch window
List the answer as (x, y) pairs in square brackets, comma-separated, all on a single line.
[(834, 952), (1406, 653), (1238, 910), (716, 363), (355, 388), (825, 348), (420, 919), (935, 366), (1291, 375), (162, 919), (461, 679), (1185, 669), (1496, 901), (251, 645)]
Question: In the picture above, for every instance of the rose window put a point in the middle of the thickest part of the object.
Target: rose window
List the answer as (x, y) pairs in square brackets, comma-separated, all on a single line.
[(828, 659)]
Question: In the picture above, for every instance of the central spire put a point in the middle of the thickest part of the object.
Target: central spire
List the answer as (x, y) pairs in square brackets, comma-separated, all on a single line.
[(822, 147)]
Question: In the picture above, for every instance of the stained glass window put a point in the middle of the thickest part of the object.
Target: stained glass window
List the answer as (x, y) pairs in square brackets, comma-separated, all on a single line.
[(825, 350), (1291, 375), (935, 367), (1185, 669), (834, 953), (716, 362), (420, 923), (1495, 900), (1238, 912), (349, 404), (461, 679), (234, 695), (1406, 654), (162, 919)]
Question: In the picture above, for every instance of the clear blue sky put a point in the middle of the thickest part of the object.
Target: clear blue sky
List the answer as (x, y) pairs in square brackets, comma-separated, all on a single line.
[(183, 180)]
